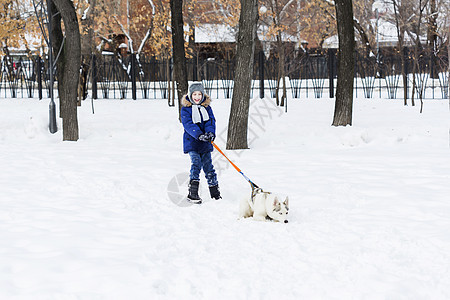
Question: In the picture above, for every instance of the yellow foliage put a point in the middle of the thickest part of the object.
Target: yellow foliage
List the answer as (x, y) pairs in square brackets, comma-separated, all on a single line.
[(17, 24), (319, 22), (113, 17)]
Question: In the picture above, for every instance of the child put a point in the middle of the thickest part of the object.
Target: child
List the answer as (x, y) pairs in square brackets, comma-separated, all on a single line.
[(199, 130)]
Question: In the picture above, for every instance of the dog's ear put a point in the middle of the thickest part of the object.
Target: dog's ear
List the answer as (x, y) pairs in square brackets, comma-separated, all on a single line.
[(286, 201), (275, 201)]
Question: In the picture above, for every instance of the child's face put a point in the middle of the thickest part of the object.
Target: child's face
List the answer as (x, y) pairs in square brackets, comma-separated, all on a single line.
[(197, 97)]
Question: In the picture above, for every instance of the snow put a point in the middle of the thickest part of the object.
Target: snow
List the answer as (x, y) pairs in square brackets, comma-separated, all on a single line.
[(387, 36), (214, 33), (101, 219), (223, 33)]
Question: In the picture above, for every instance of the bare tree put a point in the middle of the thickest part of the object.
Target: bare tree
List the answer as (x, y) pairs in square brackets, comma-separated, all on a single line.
[(419, 76), (346, 63), (67, 47), (401, 15), (238, 121), (281, 19)]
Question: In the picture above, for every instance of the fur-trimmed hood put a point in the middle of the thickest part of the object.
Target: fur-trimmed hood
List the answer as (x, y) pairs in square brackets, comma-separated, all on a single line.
[(186, 103), (197, 122)]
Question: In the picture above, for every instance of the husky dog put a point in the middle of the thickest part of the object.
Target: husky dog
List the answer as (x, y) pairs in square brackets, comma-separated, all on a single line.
[(263, 205)]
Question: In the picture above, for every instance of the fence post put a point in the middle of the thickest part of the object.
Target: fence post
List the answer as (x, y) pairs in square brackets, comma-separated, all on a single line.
[(331, 71), (133, 76), (39, 76), (405, 84), (94, 77), (261, 74)]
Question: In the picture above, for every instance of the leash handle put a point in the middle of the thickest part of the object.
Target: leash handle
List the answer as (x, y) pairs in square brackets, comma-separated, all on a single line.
[(253, 185)]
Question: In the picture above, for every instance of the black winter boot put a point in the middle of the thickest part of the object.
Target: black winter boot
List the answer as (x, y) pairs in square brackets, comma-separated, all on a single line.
[(215, 192), (193, 196)]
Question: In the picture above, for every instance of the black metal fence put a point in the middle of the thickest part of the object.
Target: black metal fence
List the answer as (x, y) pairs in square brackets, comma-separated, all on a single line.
[(308, 75)]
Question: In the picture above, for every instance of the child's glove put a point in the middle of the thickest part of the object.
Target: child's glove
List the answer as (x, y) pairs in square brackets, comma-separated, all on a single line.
[(211, 136), (203, 137)]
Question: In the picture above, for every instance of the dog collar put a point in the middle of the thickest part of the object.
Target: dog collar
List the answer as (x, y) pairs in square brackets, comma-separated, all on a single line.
[(258, 191)]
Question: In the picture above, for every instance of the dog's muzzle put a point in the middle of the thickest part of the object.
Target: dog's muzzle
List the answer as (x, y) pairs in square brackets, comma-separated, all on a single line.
[(286, 221)]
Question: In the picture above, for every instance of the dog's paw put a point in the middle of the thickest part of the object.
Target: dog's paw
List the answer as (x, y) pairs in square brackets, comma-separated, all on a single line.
[(259, 218)]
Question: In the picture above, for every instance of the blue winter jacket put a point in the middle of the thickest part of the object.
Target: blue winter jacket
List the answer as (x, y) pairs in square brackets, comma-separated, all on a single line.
[(193, 130)]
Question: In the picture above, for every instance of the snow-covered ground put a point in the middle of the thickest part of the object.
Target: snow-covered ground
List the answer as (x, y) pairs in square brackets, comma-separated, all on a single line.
[(101, 219)]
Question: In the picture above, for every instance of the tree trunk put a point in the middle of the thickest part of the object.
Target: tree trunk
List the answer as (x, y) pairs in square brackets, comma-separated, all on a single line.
[(402, 50), (169, 81), (281, 73), (404, 63), (413, 89), (432, 37), (68, 64), (179, 56), (346, 63), (238, 121), (58, 39)]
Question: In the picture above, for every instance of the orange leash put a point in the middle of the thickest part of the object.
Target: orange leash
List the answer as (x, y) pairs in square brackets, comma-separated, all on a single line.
[(253, 185)]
